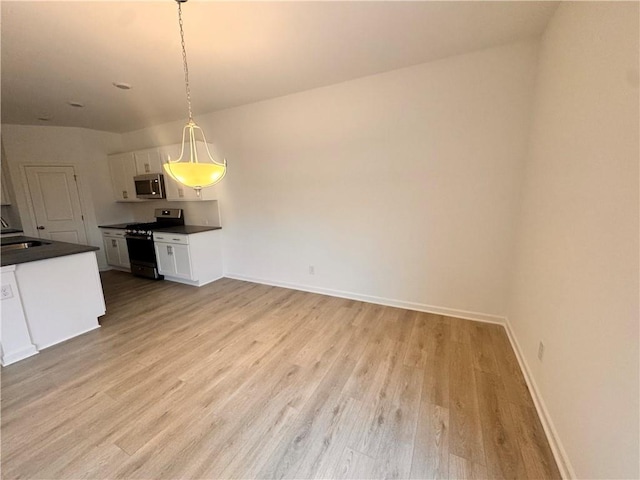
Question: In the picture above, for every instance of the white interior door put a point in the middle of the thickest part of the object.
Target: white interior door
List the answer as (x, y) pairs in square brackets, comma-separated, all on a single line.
[(56, 203)]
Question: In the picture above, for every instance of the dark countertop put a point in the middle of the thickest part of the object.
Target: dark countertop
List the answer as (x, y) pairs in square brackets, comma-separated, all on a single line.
[(52, 249), (121, 226), (186, 229), (10, 230)]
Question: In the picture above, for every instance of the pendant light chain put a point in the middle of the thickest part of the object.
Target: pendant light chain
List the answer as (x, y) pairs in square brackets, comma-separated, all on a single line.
[(184, 60), (190, 172)]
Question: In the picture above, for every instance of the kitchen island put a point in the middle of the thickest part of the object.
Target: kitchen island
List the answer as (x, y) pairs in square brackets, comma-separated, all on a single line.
[(51, 292)]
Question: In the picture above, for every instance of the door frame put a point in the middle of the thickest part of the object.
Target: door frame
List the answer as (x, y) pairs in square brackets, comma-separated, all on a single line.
[(27, 191)]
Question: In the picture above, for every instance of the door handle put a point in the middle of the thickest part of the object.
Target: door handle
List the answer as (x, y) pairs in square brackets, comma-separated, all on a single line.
[(169, 250), (114, 243), (40, 227)]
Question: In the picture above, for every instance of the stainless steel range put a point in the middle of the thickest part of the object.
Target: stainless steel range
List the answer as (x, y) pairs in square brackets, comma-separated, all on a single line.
[(139, 237)]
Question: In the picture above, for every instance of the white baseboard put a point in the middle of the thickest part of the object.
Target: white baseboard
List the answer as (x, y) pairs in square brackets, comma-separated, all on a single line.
[(13, 357), (559, 453), (60, 340), (420, 307), (106, 268), (191, 282)]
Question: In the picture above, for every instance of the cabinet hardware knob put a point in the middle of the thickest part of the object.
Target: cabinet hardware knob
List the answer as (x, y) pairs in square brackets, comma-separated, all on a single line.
[(40, 227)]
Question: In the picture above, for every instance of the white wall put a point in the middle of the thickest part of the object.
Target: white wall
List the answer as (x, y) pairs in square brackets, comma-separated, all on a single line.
[(398, 186), (575, 286), (195, 213), (86, 150)]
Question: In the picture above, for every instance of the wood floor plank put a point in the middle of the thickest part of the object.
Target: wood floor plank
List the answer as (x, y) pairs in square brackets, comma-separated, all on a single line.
[(241, 380), (36, 448), (436, 370), (534, 446), (463, 469), (465, 438), (503, 456), (379, 403), (431, 446), (353, 465), (416, 355), (320, 458), (255, 451), (399, 325), (461, 330), (316, 414), (395, 452), (482, 351), (362, 378), (509, 370)]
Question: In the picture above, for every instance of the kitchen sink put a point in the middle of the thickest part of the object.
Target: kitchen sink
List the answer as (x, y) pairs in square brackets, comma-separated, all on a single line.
[(7, 247)]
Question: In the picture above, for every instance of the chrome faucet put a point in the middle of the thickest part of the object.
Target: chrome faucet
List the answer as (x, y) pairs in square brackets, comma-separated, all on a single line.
[(4, 223)]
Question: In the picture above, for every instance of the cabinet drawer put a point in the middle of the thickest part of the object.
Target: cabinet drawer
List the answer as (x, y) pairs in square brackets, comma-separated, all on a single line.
[(171, 238), (111, 232)]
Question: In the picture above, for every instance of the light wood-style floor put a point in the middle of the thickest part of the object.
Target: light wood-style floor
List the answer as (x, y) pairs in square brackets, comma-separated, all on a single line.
[(239, 380)]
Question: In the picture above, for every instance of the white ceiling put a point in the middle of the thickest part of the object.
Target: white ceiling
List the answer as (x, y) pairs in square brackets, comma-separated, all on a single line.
[(239, 52)]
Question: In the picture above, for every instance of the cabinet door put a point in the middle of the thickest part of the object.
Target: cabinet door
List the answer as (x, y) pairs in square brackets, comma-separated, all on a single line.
[(112, 251), (182, 261), (165, 258), (148, 161), (123, 253), (4, 185), (176, 191), (123, 168), (173, 260)]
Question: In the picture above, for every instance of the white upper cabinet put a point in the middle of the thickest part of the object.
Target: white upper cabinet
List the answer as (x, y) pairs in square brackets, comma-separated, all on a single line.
[(148, 161), (123, 168), (177, 192), (4, 185)]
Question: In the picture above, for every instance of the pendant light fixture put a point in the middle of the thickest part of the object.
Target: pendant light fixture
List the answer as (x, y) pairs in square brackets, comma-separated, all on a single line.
[(187, 169)]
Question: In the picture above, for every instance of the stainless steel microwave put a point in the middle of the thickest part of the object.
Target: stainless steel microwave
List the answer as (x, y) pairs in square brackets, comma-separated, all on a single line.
[(150, 186)]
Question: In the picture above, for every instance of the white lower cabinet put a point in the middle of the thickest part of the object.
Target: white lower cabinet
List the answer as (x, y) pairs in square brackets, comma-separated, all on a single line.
[(115, 248), (174, 260), (194, 259)]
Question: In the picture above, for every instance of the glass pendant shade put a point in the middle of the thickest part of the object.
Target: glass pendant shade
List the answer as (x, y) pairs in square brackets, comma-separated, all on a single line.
[(187, 169), (195, 175)]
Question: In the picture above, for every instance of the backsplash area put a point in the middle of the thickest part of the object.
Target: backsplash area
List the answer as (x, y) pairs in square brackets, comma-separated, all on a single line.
[(195, 213)]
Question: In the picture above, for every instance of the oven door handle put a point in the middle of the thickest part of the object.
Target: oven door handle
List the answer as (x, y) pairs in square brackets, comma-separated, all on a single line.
[(138, 237)]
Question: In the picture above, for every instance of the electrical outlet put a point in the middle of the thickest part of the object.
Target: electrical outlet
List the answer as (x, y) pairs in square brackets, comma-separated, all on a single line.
[(6, 292), (540, 351), (312, 270)]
